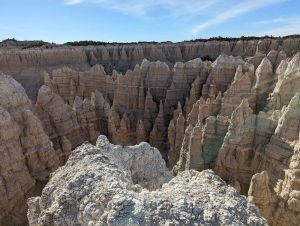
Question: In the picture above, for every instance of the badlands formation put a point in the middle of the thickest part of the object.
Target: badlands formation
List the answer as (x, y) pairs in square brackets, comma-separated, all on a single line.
[(225, 129)]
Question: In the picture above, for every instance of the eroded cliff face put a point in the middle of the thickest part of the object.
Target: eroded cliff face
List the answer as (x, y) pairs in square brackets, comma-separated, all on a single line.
[(134, 106), (248, 142), (27, 154), (35, 141), (111, 185), (238, 115), (27, 66)]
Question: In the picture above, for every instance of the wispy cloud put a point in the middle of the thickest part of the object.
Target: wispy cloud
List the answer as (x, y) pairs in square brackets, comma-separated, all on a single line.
[(74, 2), (234, 11), (267, 22), (278, 20), (283, 26), (143, 7)]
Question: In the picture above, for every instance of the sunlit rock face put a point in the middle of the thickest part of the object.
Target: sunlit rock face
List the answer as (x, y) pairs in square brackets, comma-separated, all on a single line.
[(113, 185), (237, 115), (28, 65), (27, 154)]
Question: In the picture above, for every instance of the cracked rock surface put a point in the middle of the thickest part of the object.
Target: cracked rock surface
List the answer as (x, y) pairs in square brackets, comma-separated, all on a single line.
[(109, 184)]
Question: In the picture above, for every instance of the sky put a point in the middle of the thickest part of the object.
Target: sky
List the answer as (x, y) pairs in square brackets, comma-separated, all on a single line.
[(60, 21)]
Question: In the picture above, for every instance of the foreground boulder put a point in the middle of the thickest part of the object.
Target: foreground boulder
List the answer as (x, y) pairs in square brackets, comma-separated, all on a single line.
[(109, 184)]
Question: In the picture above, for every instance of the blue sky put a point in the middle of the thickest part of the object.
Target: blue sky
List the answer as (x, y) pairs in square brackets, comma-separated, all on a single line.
[(149, 20)]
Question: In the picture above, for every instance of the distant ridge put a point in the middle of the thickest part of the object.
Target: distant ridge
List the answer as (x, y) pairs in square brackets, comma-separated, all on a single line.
[(25, 44)]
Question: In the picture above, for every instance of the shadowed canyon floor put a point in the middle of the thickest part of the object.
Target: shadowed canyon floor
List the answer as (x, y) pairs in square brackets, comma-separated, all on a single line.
[(238, 115)]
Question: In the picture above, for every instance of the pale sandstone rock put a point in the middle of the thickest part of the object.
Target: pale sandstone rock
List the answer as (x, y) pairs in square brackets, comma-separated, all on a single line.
[(27, 155), (28, 66), (234, 158), (223, 71), (131, 185), (198, 149), (102, 107), (201, 143), (264, 80), (240, 88), (214, 131), (184, 83), (77, 124), (256, 59), (259, 149), (260, 194), (271, 147), (276, 57), (175, 137), (140, 132), (280, 205), (157, 78), (288, 82), (159, 131), (113, 124), (150, 111), (194, 94), (184, 74)]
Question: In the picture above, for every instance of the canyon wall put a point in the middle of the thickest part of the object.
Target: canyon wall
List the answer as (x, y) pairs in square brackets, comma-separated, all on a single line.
[(254, 151), (35, 141), (238, 115), (28, 65)]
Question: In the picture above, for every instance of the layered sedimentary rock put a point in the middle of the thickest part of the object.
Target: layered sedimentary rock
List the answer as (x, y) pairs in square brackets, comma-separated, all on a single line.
[(192, 154), (282, 170), (254, 141), (264, 79), (280, 205), (148, 93), (143, 192), (241, 87), (238, 115), (61, 121), (288, 84), (36, 139), (223, 70), (28, 65), (234, 158), (245, 153), (27, 154)]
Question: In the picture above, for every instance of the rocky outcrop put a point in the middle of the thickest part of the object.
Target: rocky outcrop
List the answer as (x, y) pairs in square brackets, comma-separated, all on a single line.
[(254, 144), (61, 121), (137, 94), (175, 136), (28, 65), (288, 74), (264, 80), (234, 158), (280, 205), (112, 185), (260, 194), (196, 145), (236, 115), (240, 88), (133, 96), (223, 71), (27, 154)]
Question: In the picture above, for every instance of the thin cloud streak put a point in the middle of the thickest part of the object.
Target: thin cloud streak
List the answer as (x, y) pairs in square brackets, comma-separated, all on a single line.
[(283, 31), (279, 20), (233, 12), (175, 8), (74, 2), (284, 26)]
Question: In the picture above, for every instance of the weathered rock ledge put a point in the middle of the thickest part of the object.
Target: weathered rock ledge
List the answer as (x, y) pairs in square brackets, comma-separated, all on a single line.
[(109, 184)]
